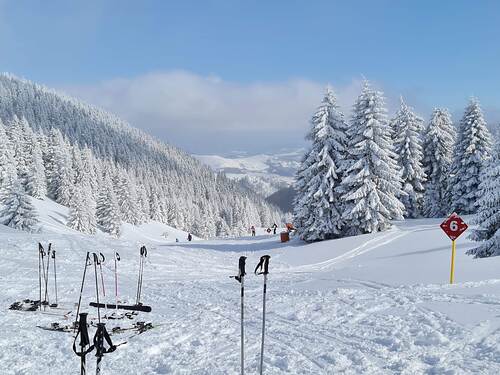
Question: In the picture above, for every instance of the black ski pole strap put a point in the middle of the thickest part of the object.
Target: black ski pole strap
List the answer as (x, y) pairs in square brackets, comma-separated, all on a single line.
[(144, 251), (96, 258), (53, 254), (102, 258), (117, 256), (241, 269), (84, 337), (263, 266), (101, 335)]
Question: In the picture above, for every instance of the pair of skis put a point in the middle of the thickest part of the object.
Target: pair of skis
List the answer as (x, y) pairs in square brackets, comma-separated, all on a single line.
[(261, 269)]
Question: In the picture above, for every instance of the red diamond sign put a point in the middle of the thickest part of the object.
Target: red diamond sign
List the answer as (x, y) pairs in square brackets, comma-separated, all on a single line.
[(454, 226)]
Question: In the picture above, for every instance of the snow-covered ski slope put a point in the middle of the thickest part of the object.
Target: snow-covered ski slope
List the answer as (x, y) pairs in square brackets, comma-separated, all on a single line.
[(373, 304)]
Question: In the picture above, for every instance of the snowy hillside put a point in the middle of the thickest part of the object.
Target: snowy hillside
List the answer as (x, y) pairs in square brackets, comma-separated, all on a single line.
[(108, 172), (264, 173), (371, 304), (53, 218)]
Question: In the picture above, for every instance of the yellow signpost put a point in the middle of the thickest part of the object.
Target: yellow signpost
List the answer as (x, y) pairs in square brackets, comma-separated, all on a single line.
[(453, 226), (452, 272)]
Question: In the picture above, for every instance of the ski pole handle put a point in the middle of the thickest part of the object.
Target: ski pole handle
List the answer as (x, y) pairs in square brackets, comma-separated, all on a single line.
[(241, 269), (41, 250), (241, 266), (263, 266)]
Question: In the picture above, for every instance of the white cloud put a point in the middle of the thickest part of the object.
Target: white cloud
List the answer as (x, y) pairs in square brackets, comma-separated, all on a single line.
[(171, 104)]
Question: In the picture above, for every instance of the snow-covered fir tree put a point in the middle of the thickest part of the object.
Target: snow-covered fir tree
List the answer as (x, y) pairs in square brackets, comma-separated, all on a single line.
[(407, 134), (487, 217), (372, 182), (108, 212), (439, 139), (319, 208), (36, 184), (18, 212), (127, 197), (472, 149), (8, 171), (82, 210), (301, 184)]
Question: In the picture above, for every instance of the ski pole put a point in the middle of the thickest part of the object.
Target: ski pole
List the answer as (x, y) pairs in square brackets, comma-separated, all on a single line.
[(117, 259), (101, 335), (46, 302), (40, 268), (142, 259), (55, 276), (87, 260), (241, 279), (96, 261), (263, 269), (101, 261), (85, 346), (43, 254)]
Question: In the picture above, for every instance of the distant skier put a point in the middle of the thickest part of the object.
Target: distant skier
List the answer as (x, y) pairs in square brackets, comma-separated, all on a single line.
[(275, 227), (253, 231), (268, 230), (176, 240), (190, 237)]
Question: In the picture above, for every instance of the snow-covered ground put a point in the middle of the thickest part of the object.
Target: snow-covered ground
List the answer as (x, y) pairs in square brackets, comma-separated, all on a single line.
[(373, 304)]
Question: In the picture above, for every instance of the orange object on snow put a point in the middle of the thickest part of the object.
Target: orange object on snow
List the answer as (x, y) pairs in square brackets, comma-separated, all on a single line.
[(285, 237), (289, 227)]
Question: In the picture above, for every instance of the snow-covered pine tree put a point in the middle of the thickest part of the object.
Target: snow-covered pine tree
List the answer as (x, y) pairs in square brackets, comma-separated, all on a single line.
[(142, 204), (221, 228), (8, 171), (18, 211), (406, 130), (108, 212), (82, 209), (36, 184), (439, 139), (320, 208), (472, 149), (300, 210), (372, 182), (59, 168), (82, 205), (487, 217), (16, 131)]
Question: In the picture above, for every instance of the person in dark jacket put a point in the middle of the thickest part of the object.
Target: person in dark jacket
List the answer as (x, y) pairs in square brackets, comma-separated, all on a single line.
[(253, 230), (190, 237), (275, 227)]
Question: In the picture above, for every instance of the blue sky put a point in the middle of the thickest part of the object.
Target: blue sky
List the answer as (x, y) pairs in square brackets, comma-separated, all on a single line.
[(435, 53)]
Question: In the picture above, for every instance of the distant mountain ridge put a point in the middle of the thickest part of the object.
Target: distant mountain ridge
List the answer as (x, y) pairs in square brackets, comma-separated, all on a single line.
[(264, 173)]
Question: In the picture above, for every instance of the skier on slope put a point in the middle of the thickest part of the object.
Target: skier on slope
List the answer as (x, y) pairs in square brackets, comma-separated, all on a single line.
[(275, 227), (253, 230), (190, 237)]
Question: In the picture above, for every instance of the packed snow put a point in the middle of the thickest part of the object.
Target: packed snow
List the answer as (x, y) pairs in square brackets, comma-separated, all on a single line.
[(371, 304)]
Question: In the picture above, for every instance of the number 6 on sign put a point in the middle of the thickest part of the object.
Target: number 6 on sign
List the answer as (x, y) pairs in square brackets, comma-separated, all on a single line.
[(454, 226)]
